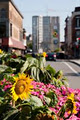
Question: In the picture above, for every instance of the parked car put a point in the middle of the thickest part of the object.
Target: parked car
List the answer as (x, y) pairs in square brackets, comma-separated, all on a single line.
[(34, 55), (29, 50), (61, 56), (51, 56)]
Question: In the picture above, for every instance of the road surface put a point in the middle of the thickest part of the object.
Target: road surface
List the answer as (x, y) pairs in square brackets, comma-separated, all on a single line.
[(70, 70)]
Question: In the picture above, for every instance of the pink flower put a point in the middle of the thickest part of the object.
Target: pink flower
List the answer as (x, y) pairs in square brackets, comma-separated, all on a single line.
[(41, 97), (53, 109), (4, 80), (35, 93), (1, 83), (73, 117), (6, 87)]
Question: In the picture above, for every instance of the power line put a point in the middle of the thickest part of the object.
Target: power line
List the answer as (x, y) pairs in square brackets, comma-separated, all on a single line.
[(48, 10)]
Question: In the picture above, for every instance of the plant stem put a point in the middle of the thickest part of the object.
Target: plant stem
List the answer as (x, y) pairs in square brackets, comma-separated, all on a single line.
[(13, 103)]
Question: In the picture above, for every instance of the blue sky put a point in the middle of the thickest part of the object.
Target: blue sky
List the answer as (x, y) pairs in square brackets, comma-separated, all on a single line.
[(61, 8)]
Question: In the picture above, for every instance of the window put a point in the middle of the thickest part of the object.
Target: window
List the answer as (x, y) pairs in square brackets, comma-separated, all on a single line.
[(77, 21), (77, 34), (10, 29), (3, 13), (2, 29)]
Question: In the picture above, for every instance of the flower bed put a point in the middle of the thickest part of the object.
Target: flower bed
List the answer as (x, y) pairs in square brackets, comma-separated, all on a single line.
[(31, 91), (63, 94)]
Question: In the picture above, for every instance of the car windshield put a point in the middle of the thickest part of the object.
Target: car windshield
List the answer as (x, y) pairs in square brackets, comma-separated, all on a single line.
[(50, 53)]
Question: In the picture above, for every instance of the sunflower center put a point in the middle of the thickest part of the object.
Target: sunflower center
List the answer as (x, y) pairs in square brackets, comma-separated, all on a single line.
[(20, 87)]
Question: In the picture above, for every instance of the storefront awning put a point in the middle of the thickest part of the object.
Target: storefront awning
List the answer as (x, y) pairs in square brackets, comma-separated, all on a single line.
[(16, 44)]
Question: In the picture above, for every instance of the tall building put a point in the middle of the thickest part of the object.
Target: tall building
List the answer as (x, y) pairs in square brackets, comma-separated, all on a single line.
[(72, 34), (37, 33), (45, 33), (11, 27)]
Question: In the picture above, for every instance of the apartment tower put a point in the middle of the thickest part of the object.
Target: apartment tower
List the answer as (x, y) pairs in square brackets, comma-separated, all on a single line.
[(45, 33)]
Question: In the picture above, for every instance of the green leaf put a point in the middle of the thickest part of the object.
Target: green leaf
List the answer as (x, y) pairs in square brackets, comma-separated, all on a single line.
[(11, 113), (1, 100), (36, 101), (59, 74), (51, 70), (47, 100), (3, 68), (25, 66), (35, 73), (42, 62), (62, 111), (52, 95)]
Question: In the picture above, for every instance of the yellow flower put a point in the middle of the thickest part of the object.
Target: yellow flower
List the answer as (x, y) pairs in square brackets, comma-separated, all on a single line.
[(44, 54), (72, 104), (1, 51), (71, 97), (74, 111), (22, 87)]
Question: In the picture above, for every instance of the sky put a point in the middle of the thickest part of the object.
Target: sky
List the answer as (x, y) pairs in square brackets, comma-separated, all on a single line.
[(61, 8)]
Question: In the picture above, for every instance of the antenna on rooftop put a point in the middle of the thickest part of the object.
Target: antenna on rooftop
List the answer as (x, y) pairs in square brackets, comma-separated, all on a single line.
[(47, 11)]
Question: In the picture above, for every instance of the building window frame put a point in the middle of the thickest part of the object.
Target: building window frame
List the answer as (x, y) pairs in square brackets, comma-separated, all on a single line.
[(2, 29), (78, 21), (11, 29), (3, 13)]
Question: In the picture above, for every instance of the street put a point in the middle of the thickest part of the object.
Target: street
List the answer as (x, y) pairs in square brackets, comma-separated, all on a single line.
[(70, 70)]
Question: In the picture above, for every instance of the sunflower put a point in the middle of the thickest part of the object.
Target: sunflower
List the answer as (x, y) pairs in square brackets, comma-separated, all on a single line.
[(22, 87), (55, 34), (44, 54)]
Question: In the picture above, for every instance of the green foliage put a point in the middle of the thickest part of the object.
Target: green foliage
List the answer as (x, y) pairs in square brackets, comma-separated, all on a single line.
[(53, 98), (29, 45), (5, 71), (57, 50), (59, 74), (3, 68), (38, 110), (62, 111), (35, 101), (28, 109), (36, 68), (38, 71), (51, 70)]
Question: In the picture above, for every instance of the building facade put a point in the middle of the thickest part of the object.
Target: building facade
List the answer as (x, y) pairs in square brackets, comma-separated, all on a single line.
[(37, 33), (72, 34), (11, 27), (46, 33)]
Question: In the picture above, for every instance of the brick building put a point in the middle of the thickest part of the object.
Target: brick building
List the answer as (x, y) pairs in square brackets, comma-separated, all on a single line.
[(11, 27), (72, 34)]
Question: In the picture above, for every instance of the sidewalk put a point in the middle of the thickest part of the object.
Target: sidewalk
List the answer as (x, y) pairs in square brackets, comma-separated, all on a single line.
[(75, 61)]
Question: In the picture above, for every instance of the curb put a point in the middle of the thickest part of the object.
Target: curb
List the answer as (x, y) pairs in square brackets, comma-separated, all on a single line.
[(75, 63)]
